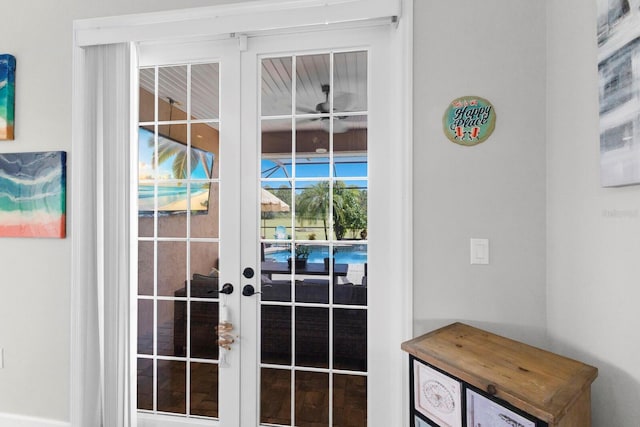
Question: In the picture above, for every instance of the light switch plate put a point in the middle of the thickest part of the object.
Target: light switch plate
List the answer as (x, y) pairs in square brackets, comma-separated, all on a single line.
[(479, 251)]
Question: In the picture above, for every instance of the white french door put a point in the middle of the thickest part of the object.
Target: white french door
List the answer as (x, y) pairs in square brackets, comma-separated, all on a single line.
[(260, 160), (189, 232)]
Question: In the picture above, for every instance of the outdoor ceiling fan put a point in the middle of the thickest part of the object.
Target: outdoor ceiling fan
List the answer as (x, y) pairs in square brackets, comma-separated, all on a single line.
[(341, 102)]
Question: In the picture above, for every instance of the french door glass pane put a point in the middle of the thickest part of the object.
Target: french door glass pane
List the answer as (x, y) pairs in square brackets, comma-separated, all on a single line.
[(204, 222), (276, 335), (204, 319), (171, 386), (277, 143), (145, 327), (350, 94), (145, 268), (312, 148), (205, 92), (313, 245), (178, 245), (171, 268), (204, 389), (171, 327), (312, 399), (275, 216), (275, 409), (313, 75), (312, 337), (172, 99), (350, 339), (147, 95), (145, 384), (349, 400), (352, 146), (276, 86)]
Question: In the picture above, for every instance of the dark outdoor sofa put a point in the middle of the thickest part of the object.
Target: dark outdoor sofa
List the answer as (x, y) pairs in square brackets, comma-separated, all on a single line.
[(311, 323)]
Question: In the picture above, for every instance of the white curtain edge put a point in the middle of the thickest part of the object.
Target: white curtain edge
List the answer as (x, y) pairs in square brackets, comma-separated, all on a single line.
[(100, 367)]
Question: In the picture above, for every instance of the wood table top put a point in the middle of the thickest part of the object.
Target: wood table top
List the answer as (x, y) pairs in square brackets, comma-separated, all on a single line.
[(542, 383)]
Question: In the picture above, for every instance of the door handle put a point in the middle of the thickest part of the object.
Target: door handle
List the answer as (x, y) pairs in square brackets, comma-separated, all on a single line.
[(249, 290), (227, 289)]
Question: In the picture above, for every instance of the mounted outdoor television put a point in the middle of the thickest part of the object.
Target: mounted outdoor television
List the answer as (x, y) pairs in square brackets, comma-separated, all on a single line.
[(172, 187)]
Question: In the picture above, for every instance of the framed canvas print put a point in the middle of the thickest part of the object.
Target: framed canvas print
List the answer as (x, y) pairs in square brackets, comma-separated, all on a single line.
[(33, 194), (437, 396), (619, 91), (484, 412), (7, 95)]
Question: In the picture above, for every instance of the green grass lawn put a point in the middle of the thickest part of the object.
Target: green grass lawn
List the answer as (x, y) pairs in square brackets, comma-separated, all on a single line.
[(310, 230), (303, 232)]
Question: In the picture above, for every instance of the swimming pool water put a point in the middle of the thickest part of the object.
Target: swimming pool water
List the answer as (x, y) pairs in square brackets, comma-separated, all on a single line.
[(344, 255)]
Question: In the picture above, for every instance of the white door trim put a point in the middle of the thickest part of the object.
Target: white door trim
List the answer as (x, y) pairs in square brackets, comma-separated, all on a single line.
[(222, 20), (402, 96), (206, 22)]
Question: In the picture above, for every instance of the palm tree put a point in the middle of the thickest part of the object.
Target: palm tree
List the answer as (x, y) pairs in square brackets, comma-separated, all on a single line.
[(348, 212), (168, 148), (313, 204)]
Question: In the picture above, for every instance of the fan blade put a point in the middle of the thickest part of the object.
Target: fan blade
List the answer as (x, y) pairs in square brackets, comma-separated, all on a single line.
[(345, 101), (340, 126), (307, 120), (305, 110)]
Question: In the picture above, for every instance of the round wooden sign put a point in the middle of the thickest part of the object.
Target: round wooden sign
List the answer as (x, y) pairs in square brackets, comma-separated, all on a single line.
[(469, 120)]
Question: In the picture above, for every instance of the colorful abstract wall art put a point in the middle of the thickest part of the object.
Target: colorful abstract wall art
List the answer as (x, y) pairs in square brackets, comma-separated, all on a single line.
[(33, 194), (7, 95)]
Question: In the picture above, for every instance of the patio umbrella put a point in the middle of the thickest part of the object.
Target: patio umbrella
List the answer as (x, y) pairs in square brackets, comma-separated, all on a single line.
[(270, 203)]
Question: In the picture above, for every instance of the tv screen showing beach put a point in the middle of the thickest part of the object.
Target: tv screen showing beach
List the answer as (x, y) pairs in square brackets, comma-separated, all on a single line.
[(171, 184)]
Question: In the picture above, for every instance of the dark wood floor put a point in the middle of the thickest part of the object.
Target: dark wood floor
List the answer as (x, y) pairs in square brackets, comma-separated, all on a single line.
[(311, 388), (311, 397)]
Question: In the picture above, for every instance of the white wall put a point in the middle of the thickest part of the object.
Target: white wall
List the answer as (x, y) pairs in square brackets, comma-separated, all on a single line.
[(496, 190), (35, 273), (593, 253), (34, 284)]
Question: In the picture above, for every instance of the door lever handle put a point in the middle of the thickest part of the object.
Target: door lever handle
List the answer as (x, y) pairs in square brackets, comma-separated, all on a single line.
[(249, 290), (227, 289)]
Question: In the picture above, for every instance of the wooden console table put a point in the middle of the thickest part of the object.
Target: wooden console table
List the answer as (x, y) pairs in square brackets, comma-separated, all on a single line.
[(509, 380)]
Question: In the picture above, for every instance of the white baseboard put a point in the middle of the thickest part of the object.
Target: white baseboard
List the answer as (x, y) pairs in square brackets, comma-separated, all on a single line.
[(151, 420), (10, 420)]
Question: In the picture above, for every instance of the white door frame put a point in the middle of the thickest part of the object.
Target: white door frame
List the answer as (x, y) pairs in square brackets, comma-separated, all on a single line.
[(277, 15)]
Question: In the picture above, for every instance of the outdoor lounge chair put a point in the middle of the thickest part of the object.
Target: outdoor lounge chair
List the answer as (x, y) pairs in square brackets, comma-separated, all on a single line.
[(281, 233)]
